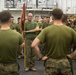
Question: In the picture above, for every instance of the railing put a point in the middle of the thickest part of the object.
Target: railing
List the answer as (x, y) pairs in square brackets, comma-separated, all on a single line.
[(30, 5)]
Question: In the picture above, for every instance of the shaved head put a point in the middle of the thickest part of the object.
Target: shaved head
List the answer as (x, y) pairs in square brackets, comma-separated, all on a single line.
[(30, 15)]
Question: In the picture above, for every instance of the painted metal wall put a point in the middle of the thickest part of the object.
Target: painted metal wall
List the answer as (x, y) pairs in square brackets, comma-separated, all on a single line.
[(68, 6)]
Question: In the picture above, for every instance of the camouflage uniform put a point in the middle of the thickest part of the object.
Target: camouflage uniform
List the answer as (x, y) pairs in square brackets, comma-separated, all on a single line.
[(9, 51), (30, 59), (40, 26), (56, 49), (45, 25), (16, 27), (9, 69), (55, 66), (30, 56)]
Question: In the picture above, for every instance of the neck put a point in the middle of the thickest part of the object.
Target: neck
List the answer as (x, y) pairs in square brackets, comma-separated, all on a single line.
[(29, 20), (58, 22), (5, 26)]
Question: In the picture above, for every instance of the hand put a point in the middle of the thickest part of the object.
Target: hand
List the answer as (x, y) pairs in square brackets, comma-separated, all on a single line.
[(69, 56), (44, 58), (23, 44)]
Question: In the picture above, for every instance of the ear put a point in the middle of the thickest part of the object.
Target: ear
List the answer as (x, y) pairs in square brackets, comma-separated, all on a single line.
[(52, 17), (10, 20), (62, 16)]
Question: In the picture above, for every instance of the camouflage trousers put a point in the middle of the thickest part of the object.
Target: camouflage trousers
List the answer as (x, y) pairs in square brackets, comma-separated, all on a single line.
[(30, 56), (9, 69), (58, 67)]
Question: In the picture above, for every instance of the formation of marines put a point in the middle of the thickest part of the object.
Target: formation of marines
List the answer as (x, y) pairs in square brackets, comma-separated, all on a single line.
[(34, 39)]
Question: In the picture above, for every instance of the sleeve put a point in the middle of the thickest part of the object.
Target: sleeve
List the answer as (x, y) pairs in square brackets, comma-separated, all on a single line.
[(41, 36)]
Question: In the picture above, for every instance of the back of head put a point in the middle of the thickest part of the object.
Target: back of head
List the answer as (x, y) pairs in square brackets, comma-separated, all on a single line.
[(19, 18), (5, 16), (57, 13)]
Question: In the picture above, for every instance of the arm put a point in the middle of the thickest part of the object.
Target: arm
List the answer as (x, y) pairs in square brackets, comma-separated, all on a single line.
[(21, 44), (20, 48), (34, 30), (36, 49), (72, 55)]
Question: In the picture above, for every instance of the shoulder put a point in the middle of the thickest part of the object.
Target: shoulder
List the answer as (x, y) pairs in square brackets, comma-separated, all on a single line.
[(48, 27), (15, 32), (34, 22), (67, 27), (25, 22), (70, 30)]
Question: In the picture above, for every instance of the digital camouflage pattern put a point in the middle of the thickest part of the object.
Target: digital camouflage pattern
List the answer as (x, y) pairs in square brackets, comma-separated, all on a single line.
[(30, 56), (57, 67), (9, 69)]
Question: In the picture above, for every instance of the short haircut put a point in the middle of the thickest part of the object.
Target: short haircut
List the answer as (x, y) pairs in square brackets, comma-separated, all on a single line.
[(19, 18), (5, 16), (30, 14), (48, 16), (57, 13), (36, 16)]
